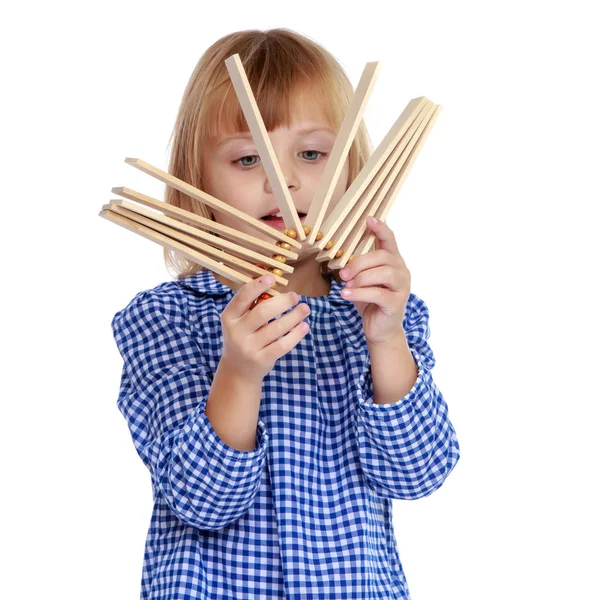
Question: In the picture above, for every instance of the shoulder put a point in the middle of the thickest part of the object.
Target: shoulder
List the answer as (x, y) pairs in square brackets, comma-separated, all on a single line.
[(155, 335), (151, 309), (166, 296), (184, 307)]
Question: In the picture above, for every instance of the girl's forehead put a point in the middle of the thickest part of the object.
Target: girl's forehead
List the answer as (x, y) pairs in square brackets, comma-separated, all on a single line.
[(306, 114), (306, 110), (296, 128), (306, 104), (301, 122)]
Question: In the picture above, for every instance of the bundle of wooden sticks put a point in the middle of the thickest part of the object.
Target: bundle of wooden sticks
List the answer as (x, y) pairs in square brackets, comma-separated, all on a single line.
[(341, 237)]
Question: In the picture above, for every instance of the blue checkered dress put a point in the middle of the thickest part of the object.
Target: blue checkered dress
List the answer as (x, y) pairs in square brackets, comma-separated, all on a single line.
[(307, 514)]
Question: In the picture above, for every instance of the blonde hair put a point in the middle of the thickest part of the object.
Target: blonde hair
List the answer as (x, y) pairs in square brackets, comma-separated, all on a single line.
[(278, 63)]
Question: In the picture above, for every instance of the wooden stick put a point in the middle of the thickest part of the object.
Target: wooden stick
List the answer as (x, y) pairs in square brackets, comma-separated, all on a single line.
[(370, 169), (368, 238), (189, 253), (339, 152), (172, 228), (383, 195), (236, 236), (263, 145), (193, 243), (370, 199), (213, 202)]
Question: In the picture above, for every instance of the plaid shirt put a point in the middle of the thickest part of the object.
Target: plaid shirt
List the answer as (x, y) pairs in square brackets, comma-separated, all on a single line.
[(307, 513)]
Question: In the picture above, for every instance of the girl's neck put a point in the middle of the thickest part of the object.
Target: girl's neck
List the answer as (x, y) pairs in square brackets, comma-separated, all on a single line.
[(306, 280)]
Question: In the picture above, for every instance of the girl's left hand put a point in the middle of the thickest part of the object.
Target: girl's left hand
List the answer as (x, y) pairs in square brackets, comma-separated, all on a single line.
[(378, 282)]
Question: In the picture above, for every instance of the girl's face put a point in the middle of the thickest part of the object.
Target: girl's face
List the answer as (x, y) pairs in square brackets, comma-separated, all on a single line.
[(232, 170)]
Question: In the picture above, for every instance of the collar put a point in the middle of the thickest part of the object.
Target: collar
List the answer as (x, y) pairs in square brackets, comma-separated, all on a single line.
[(206, 283)]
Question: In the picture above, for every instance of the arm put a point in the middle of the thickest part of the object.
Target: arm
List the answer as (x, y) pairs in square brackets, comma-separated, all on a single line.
[(232, 408), (394, 357), (407, 444), (165, 385)]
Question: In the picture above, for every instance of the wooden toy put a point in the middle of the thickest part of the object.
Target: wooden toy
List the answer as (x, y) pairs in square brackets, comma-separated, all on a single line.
[(338, 239)]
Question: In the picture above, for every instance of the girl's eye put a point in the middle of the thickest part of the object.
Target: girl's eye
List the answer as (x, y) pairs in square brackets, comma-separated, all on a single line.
[(314, 152), (235, 162), (244, 164)]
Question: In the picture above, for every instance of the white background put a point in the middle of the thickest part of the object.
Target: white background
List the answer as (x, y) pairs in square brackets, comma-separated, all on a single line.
[(497, 222)]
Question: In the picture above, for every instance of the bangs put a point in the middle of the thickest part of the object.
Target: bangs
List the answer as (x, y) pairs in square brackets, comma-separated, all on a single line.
[(279, 103)]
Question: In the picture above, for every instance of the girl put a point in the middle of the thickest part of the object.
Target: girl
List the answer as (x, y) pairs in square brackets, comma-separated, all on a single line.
[(277, 437)]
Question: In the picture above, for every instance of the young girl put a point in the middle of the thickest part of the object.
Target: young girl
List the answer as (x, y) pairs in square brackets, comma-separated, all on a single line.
[(277, 437)]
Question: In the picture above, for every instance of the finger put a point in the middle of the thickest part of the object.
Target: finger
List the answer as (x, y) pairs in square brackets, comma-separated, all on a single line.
[(281, 326), (285, 343), (384, 298), (384, 275), (386, 240), (265, 311), (369, 260), (242, 300)]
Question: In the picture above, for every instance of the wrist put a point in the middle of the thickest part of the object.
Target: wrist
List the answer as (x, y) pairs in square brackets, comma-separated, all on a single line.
[(394, 340), (235, 374)]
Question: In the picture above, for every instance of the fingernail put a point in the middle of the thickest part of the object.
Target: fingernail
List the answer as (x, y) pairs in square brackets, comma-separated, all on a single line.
[(372, 221), (344, 273), (269, 279)]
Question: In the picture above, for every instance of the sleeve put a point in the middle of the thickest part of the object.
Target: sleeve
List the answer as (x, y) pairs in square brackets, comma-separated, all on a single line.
[(165, 383), (407, 448)]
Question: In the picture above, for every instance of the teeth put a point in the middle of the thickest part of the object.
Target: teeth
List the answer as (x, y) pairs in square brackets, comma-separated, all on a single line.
[(280, 215)]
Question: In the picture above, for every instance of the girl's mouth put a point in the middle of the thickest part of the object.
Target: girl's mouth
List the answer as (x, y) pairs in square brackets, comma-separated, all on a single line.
[(278, 223)]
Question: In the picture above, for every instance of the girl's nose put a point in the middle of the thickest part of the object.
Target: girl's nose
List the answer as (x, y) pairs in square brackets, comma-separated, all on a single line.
[(290, 179)]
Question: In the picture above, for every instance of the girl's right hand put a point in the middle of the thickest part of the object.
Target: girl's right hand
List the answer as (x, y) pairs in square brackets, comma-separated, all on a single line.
[(251, 345)]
